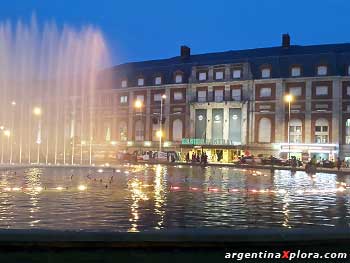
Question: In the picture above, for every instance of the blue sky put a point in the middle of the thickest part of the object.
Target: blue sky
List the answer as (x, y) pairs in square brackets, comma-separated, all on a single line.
[(141, 30)]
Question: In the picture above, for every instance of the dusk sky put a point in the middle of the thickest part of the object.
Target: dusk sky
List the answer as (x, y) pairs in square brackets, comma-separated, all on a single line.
[(142, 30)]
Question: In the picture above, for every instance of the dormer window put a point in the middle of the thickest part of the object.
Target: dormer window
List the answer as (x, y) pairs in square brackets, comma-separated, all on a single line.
[(158, 80), (322, 70), (124, 83), (219, 75), (236, 73), (265, 73), (140, 81), (295, 71), (202, 76), (178, 78), (348, 72)]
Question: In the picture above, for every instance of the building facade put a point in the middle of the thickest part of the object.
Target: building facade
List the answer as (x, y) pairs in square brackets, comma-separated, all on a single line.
[(232, 103)]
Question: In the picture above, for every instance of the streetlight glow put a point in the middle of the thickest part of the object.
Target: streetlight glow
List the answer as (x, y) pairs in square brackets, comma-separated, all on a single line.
[(7, 133), (13, 103), (37, 111), (288, 98), (163, 96), (138, 104), (159, 134)]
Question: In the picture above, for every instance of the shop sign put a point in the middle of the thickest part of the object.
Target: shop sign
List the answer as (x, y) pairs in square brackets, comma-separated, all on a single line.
[(196, 141)]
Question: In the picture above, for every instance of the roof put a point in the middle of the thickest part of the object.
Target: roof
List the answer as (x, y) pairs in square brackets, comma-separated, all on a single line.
[(336, 56)]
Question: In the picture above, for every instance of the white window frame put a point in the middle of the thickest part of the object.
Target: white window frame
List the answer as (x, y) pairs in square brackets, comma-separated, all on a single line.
[(202, 76), (219, 75), (157, 97), (123, 99), (178, 78), (296, 71), (236, 94), (178, 95), (320, 91), (322, 70), (236, 73), (261, 93), (219, 95), (321, 136), (266, 73), (140, 82), (296, 91), (201, 98), (158, 80), (124, 83)]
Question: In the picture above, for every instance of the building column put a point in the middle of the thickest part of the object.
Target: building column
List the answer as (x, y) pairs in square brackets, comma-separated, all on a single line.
[(211, 73), (166, 112), (131, 116), (227, 92), (210, 93), (148, 135), (280, 113), (244, 121), (226, 123), (209, 123), (192, 123), (308, 95), (336, 112)]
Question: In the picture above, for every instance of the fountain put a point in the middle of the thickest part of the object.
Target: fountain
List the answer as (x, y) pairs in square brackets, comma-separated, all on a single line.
[(48, 78)]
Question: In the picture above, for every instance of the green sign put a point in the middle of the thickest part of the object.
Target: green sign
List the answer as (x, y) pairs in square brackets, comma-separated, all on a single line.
[(195, 141)]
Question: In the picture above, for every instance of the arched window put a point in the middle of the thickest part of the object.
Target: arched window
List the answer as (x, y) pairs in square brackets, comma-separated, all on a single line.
[(139, 130), (321, 131), (295, 131), (123, 131), (177, 130), (264, 130), (347, 131)]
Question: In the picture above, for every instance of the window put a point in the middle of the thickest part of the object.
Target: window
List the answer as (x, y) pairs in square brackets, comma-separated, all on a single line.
[(139, 131), (236, 73), (321, 107), (295, 91), (347, 131), (157, 97), (158, 80), (140, 81), (321, 91), (295, 131), (296, 71), (265, 73), (123, 99), (178, 78), (348, 72), (177, 130), (123, 131), (218, 95), (140, 98), (202, 95), (264, 130), (219, 75), (124, 83), (265, 92), (178, 95), (236, 94), (322, 70), (348, 90), (321, 131), (202, 76), (264, 108), (348, 108)]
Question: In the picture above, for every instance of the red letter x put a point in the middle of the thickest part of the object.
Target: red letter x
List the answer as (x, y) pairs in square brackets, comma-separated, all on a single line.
[(285, 254)]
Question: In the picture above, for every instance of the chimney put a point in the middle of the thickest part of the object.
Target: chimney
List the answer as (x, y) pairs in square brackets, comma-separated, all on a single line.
[(285, 41), (185, 52)]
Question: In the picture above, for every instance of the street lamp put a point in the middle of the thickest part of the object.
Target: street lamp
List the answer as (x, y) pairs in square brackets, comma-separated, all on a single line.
[(160, 133), (37, 112), (288, 98)]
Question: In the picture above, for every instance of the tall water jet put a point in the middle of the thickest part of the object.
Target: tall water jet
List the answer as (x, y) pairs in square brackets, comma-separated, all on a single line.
[(48, 78)]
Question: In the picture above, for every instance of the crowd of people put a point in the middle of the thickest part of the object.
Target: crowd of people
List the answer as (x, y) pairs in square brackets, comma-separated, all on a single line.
[(196, 158)]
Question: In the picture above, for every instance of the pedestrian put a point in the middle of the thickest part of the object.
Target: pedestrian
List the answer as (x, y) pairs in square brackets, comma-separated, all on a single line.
[(188, 157), (338, 163)]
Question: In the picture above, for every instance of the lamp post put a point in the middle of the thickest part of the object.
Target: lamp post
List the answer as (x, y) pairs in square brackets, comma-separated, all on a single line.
[(288, 99), (37, 112), (2, 144), (160, 134)]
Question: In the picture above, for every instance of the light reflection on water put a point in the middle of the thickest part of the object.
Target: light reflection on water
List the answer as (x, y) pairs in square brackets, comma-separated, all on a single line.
[(149, 197)]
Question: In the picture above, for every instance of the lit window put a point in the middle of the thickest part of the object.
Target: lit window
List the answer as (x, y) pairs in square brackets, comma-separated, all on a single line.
[(158, 80), (295, 131), (321, 131), (219, 95), (236, 94), (202, 76), (296, 72), (265, 73), (322, 70), (124, 83), (265, 92), (236, 73), (178, 78), (347, 131), (157, 97), (178, 95), (202, 95), (264, 130), (219, 75), (295, 91), (321, 91), (140, 82), (123, 99)]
